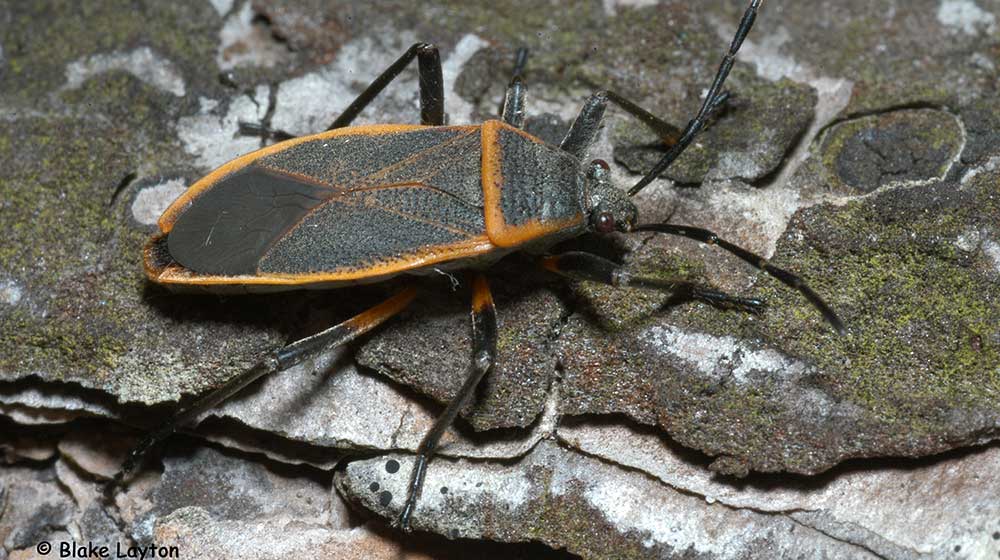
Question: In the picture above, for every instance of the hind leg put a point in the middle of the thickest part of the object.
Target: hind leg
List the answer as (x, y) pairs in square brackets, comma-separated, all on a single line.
[(431, 93)]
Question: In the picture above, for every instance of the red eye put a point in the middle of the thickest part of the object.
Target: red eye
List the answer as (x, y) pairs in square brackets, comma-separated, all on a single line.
[(601, 163), (605, 222)]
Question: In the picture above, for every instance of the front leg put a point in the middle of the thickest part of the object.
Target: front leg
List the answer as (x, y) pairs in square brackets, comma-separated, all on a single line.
[(484, 351), (512, 111), (713, 99), (585, 266), (584, 129)]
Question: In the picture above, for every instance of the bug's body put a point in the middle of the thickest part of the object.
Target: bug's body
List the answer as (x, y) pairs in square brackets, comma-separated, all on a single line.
[(364, 203)]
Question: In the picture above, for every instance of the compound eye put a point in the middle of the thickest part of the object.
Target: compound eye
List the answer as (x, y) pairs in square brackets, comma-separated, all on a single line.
[(602, 164), (605, 222)]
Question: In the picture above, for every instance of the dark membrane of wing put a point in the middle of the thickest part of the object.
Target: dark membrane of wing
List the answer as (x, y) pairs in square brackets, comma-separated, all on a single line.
[(228, 228)]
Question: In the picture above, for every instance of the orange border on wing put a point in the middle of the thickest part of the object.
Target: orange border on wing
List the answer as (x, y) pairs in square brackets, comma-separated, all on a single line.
[(178, 275), (169, 217)]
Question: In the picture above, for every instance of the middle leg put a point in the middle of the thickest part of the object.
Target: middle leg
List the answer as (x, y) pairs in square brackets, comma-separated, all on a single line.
[(484, 350)]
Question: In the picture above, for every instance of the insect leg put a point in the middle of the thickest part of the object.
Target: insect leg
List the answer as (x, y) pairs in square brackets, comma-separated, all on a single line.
[(512, 111), (484, 350), (275, 361), (713, 99), (586, 266), (588, 122), (258, 129), (757, 261), (431, 93), (431, 86)]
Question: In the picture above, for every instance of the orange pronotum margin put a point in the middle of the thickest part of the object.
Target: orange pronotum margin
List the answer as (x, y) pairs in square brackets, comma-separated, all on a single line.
[(500, 232)]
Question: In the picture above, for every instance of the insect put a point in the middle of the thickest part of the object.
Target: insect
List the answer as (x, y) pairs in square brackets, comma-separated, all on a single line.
[(362, 204)]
